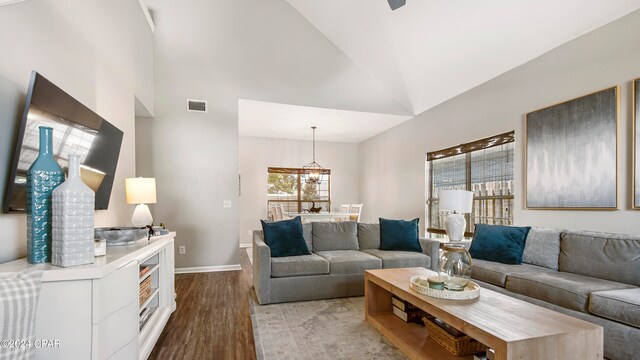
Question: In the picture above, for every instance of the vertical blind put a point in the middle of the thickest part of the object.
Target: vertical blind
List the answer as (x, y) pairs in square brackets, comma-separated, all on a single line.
[(484, 167)]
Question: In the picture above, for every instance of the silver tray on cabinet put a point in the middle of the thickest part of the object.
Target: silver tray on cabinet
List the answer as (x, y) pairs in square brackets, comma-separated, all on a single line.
[(120, 236)]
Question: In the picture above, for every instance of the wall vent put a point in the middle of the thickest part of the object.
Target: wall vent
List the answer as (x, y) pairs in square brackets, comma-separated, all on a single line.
[(196, 105)]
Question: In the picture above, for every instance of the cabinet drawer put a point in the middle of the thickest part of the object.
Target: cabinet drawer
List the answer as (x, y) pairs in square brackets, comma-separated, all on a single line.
[(129, 352), (64, 314), (116, 331), (115, 291)]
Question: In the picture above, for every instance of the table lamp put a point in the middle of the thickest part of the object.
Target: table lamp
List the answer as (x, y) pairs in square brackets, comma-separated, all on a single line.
[(141, 191), (458, 202)]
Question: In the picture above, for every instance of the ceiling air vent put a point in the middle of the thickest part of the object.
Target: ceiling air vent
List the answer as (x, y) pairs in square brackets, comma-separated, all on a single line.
[(196, 105)]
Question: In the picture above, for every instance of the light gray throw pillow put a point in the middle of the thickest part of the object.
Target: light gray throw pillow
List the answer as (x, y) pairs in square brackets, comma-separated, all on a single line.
[(338, 235), (368, 236), (308, 235), (542, 247), (19, 295)]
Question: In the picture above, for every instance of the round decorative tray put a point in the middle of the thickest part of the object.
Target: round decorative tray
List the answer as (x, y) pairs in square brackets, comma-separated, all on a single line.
[(471, 291)]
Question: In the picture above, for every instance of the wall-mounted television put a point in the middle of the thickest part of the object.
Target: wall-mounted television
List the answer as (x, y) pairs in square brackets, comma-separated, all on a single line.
[(76, 129)]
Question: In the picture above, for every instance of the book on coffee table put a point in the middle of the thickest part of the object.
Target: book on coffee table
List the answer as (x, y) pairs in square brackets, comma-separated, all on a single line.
[(448, 328), (489, 355), (402, 304), (413, 316)]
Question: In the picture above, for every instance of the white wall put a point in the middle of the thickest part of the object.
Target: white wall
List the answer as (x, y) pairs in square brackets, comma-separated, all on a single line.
[(86, 47), (223, 51), (392, 171), (257, 154)]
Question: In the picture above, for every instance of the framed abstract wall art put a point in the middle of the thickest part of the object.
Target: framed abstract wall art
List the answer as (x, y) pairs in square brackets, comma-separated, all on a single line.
[(572, 153), (636, 141)]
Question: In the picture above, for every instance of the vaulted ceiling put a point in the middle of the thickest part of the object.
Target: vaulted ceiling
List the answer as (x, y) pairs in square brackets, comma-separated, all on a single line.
[(355, 55), (429, 51)]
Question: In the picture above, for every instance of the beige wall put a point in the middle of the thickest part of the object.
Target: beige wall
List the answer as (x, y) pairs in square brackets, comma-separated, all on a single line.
[(257, 154), (86, 47), (392, 169)]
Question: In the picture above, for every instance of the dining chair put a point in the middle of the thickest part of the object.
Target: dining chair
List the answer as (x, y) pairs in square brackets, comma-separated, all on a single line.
[(272, 213), (355, 210), (344, 208), (279, 212)]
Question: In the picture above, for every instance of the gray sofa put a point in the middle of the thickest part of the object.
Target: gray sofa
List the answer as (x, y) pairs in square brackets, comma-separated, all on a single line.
[(341, 252), (587, 275)]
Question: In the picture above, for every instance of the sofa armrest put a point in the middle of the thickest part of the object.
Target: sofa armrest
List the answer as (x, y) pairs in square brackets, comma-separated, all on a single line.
[(261, 267), (431, 247)]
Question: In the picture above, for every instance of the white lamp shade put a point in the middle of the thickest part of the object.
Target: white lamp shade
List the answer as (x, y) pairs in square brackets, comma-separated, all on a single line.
[(460, 201), (140, 190)]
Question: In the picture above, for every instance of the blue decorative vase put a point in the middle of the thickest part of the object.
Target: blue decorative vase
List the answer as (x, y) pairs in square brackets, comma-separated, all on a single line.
[(43, 176)]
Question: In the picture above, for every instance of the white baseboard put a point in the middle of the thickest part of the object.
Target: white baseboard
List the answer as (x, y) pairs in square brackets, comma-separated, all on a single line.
[(204, 269), (244, 246)]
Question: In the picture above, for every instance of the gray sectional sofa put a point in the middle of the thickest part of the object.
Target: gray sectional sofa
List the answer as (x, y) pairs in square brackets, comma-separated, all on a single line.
[(341, 252), (587, 275)]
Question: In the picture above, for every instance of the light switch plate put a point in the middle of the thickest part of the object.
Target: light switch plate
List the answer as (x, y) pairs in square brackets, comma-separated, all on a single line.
[(226, 204)]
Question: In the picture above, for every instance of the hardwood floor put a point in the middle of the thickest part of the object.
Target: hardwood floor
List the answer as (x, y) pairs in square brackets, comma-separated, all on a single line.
[(212, 318)]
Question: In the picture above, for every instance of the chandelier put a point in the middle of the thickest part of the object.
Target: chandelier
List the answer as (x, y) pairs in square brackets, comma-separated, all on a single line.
[(313, 171)]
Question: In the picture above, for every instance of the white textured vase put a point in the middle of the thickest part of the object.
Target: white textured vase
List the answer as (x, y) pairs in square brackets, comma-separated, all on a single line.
[(455, 224), (73, 207)]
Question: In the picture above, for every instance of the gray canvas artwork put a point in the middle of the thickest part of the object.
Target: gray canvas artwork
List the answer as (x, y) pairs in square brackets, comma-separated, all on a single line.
[(571, 153), (636, 111)]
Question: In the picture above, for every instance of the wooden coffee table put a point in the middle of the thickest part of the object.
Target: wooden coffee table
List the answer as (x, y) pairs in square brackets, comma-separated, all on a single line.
[(513, 328)]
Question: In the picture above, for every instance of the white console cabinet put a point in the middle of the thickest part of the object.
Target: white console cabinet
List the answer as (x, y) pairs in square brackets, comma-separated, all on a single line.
[(94, 311)]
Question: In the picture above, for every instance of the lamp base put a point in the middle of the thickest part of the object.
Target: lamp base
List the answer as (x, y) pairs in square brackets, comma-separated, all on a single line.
[(141, 216), (455, 224)]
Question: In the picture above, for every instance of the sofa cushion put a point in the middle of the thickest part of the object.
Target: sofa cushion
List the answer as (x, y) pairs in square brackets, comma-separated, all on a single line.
[(308, 235), (496, 273), (350, 261), (284, 238), (399, 235), (400, 259), (504, 244), (299, 266), (542, 247), (618, 305), (605, 256), (568, 290), (336, 235), (368, 236)]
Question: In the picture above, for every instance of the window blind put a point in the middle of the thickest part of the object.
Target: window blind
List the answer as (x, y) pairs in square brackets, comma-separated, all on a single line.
[(484, 167)]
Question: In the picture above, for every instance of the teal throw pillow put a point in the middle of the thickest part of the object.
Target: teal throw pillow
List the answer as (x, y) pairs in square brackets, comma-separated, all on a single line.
[(285, 238), (503, 244), (400, 235)]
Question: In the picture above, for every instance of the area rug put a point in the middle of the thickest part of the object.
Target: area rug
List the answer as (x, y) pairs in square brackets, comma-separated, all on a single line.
[(317, 330)]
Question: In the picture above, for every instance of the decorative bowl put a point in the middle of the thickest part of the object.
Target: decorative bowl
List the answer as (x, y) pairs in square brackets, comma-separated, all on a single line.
[(120, 236), (471, 291)]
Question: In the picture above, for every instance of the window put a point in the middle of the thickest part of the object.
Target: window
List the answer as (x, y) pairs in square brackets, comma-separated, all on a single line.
[(288, 186), (484, 167)]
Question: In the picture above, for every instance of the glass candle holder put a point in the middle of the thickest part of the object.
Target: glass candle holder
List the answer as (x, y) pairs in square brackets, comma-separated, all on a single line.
[(99, 247), (436, 282), (455, 267)]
